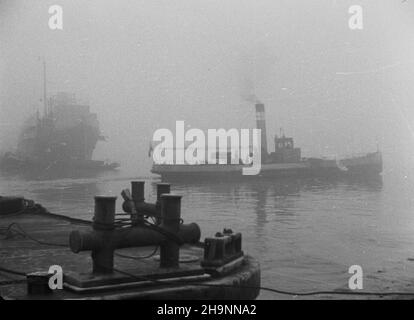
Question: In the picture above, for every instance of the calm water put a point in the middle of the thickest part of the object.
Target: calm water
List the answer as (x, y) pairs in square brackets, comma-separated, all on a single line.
[(306, 234)]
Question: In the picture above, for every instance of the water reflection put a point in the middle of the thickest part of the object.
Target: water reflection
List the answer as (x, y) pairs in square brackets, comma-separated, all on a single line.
[(312, 228), (67, 194), (278, 202), (55, 174), (70, 198), (267, 193), (289, 223)]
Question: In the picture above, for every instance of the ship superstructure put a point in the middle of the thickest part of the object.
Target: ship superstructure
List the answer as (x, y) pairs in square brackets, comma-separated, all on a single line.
[(68, 131)]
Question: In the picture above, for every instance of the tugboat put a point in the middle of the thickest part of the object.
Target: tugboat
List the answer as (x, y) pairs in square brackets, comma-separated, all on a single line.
[(62, 140), (285, 162)]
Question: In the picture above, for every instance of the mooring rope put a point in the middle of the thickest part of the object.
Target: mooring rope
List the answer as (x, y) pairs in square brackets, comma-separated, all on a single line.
[(15, 228), (17, 273), (138, 257), (284, 292)]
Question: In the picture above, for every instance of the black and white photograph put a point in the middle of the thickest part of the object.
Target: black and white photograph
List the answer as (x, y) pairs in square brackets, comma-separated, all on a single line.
[(224, 152)]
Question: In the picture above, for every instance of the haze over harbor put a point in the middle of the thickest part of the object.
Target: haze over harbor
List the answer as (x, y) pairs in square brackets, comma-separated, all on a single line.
[(335, 90), (174, 71)]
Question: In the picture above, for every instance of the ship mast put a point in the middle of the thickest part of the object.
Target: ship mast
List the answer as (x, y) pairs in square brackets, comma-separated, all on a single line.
[(44, 89)]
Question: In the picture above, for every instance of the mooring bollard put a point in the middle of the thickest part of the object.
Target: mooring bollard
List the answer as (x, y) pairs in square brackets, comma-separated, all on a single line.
[(105, 238), (137, 190), (104, 214), (103, 221), (38, 283), (135, 203), (171, 218), (162, 188)]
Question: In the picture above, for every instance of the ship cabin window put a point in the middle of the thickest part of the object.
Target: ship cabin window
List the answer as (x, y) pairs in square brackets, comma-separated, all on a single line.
[(284, 143)]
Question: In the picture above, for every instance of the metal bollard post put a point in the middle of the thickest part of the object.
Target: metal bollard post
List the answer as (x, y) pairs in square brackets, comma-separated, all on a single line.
[(104, 221), (38, 283), (171, 217), (162, 188), (137, 190), (104, 215)]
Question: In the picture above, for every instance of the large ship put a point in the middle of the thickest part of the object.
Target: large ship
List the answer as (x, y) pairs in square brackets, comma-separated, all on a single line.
[(285, 161), (61, 140)]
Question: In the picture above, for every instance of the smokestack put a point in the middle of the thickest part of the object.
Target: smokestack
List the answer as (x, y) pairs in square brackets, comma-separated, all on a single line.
[(261, 124)]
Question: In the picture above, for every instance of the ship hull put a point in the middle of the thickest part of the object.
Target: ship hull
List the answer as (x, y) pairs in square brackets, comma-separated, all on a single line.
[(369, 164), (12, 165), (366, 166), (270, 174)]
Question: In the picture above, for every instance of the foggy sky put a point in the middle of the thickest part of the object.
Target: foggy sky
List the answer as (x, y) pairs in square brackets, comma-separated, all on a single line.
[(142, 65)]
